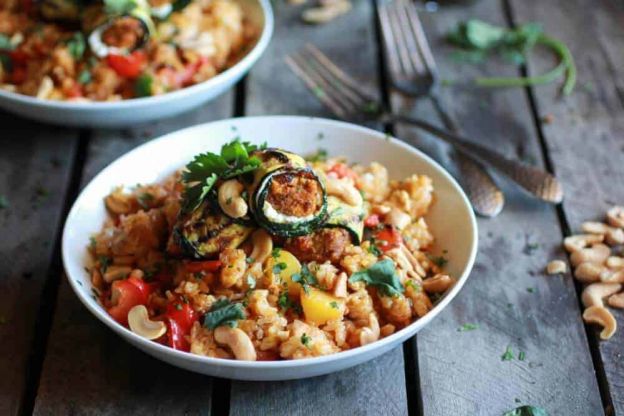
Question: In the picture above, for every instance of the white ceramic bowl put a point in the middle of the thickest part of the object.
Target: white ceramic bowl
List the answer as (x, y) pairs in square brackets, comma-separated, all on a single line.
[(139, 110), (451, 220)]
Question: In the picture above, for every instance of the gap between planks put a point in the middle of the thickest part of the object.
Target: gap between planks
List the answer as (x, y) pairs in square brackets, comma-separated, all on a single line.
[(564, 224), (49, 292)]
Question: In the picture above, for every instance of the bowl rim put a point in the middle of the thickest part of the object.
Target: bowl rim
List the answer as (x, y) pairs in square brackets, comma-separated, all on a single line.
[(148, 345), (93, 106)]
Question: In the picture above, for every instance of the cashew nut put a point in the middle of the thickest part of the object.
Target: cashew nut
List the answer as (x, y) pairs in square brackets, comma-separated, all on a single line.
[(340, 287), (398, 218), (597, 253), (259, 303), (615, 216), (140, 324), (601, 316), (612, 276), (230, 200), (594, 294), (413, 261), (344, 190), (580, 241), (612, 235), (262, 246), (617, 300), (238, 341), (615, 262), (438, 283), (589, 272), (371, 333), (556, 267)]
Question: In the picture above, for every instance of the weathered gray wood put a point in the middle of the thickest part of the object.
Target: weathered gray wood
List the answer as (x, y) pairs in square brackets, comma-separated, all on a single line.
[(35, 168), (90, 370), (377, 387), (507, 295), (585, 138)]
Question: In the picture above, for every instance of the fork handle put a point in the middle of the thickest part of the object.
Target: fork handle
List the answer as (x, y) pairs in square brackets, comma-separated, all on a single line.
[(534, 180)]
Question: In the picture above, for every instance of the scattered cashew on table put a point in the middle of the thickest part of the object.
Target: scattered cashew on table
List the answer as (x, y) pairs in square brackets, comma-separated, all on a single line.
[(598, 267)]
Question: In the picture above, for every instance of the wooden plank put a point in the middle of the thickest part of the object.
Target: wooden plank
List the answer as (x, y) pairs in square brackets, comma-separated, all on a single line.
[(35, 170), (585, 137), (507, 295), (377, 387), (88, 369)]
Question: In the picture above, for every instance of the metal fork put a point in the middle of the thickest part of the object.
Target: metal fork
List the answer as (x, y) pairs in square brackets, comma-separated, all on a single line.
[(350, 101), (413, 72)]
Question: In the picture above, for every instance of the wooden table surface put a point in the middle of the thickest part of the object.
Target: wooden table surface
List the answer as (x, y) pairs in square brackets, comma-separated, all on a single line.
[(57, 359)]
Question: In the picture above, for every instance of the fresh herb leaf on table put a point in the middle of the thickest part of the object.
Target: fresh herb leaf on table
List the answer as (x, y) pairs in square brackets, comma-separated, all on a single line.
[(527, 411), (478, 39)]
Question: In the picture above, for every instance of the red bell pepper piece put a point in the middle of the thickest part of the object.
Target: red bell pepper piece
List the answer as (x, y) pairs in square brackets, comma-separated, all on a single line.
[(125, 295), (388, 238), (343, 171), (371, 221), (203, 266), (127, 66), (180, 318)]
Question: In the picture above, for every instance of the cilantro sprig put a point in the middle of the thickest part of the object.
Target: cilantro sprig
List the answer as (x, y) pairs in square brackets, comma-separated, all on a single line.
[(382, 275), (206, 169), (223, 312), (305, 278)]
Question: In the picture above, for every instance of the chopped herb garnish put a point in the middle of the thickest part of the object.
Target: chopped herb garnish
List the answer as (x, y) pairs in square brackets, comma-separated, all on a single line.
[(319, 156), (530, 289), (320, 136), (467, 327), (305, 340), (526, 410), (334, 304), (251, 282), (305, 278), (92, 243), (508, 354), (276, 252), (373, 249), (413, 285), (143, 86), (382, 275), (104, 263), (439, 261), (529, 248), (84, 77), (76, 45), (178, 307), (521, 356), (144, 199), (206, 168), (5, 43), (4, 202), (223, 312), (249, 260), (277, 269), (286, 303)]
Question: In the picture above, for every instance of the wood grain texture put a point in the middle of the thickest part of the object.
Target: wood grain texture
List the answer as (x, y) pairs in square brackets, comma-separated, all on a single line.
[(35, 168), (508, 296), (584, 139), (377, 387), (88, 369)]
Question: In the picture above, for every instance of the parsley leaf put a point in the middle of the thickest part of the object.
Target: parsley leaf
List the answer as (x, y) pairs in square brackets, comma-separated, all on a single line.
[(439, 261), (527, 410), (521, 356), (84, 77), (508, 354), (206, 168), (277, 269), (223, 312), (305, 278), (76, 45), (382, 275), (305, 340), (276, 252), (334, 304), (467, 327), (319, 156), (251, 282), (144, 199)]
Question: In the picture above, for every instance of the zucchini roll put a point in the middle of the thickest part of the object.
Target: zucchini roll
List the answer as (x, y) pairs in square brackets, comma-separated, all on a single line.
[(119, 34), (342, 215), (286, 196), (207, 231)]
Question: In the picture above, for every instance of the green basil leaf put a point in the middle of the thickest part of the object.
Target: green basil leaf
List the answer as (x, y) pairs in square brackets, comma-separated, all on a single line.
[(223, 312), (383, 276)]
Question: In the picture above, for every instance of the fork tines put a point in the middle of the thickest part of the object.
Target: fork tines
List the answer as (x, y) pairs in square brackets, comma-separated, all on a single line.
[(333, 87), (404, 39)]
